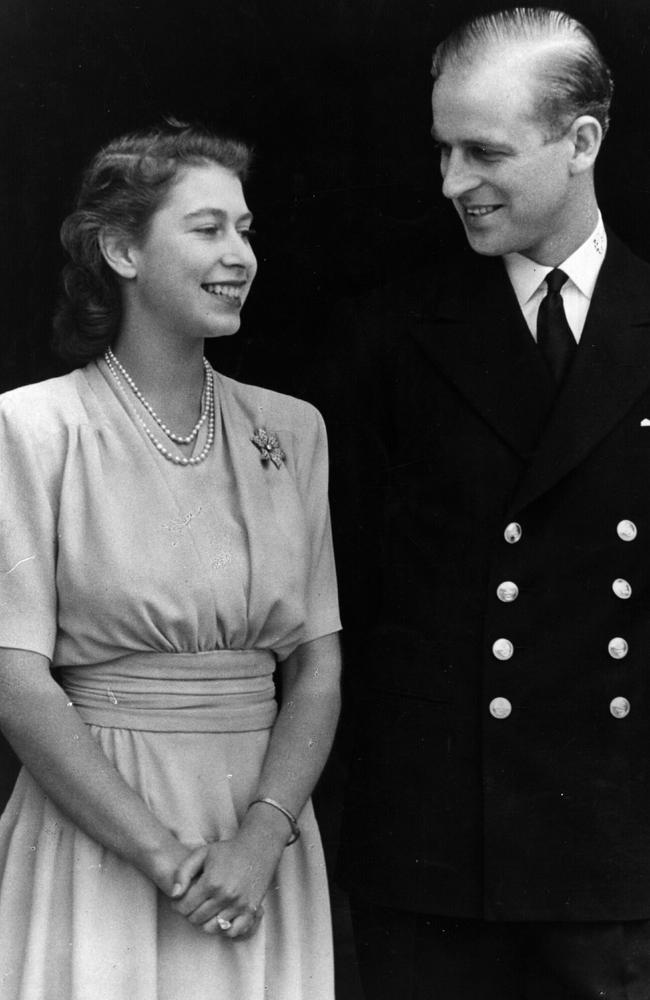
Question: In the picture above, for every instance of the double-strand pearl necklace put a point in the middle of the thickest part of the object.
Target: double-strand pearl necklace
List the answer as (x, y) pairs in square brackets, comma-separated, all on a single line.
[(176, 438), (116, 369)]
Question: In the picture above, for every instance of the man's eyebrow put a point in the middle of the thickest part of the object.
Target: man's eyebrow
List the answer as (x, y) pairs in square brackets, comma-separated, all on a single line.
[(217, 213), (486, 143)]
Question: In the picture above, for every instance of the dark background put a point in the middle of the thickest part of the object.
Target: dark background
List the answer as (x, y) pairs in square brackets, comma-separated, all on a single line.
[(334, 96)]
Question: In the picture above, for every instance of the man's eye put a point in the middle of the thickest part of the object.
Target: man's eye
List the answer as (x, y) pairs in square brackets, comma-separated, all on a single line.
[(209, 230), (484, 153)]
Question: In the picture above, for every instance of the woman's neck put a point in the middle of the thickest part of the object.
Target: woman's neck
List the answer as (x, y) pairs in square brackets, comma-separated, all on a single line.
[(170, 376)]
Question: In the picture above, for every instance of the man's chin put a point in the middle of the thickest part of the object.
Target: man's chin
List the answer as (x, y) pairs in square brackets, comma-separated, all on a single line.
[(485, 246), (484, 242)]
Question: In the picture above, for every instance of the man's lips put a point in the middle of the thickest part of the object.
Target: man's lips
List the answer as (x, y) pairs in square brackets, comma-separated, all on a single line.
[(478, 211)]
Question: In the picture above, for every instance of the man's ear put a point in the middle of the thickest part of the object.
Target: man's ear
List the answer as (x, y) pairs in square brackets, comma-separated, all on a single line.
[(117, 249), (586, 135)]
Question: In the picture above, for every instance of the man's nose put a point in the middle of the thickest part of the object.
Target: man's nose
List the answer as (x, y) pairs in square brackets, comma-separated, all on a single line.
[(457, 177)]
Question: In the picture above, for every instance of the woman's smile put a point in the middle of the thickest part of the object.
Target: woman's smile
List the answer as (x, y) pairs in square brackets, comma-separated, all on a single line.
[(231, 292), (198, 238)]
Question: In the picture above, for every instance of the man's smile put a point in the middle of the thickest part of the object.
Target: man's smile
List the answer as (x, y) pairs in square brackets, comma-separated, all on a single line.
[(476, 211)]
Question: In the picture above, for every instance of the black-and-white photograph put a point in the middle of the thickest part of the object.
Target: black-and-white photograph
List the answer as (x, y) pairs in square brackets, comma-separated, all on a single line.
[(325, 500)]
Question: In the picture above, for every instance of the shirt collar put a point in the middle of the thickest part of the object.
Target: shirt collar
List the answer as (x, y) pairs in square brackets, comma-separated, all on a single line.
[(582, 267)]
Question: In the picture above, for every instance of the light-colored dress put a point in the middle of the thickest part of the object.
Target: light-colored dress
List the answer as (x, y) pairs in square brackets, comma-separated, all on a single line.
[(163, 596)]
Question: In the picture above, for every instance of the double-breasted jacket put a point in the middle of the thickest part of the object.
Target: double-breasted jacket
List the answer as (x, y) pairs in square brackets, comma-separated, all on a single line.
[(494, 551)]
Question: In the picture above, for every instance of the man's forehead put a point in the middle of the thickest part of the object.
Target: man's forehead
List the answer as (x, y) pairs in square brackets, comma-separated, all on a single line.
[(486, 96), (501, 72), (508, 56), (507, 68)]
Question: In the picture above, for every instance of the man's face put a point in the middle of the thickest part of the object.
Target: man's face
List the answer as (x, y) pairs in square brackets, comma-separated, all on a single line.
[(510, 186)]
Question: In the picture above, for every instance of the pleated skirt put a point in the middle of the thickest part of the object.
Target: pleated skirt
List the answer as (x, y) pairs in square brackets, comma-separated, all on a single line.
[(78, 923)]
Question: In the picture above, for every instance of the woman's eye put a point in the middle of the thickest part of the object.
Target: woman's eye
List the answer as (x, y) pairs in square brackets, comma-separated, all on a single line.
[(247, 233), (208, 229)]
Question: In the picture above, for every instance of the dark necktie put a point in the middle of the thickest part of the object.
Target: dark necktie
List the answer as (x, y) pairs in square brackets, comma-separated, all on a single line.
[(554, 337)]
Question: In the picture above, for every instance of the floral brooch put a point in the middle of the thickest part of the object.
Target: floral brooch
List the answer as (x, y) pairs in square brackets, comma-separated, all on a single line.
[(269, 446)]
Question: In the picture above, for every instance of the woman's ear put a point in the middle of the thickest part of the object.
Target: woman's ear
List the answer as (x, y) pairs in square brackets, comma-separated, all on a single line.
[(117, 250)]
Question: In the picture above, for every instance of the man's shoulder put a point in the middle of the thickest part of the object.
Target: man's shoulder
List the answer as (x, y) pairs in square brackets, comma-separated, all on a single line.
[(621, 258), (413, 295), (623, 282)]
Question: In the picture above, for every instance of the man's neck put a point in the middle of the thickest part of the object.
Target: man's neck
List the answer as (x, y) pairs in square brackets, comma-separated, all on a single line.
[(579, 226)]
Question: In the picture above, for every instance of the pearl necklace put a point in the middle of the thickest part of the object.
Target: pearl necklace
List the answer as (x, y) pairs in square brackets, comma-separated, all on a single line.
[(177, 438), (208, 413)]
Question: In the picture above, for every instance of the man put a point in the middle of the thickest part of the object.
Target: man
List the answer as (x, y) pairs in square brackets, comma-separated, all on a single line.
[(497, 834)]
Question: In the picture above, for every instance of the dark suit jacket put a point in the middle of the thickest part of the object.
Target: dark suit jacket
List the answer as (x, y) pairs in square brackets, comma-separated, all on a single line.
[(545, 814)]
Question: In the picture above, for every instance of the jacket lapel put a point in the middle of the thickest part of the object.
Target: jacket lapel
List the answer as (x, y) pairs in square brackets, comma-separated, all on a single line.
[(611, 369), (473, 330)]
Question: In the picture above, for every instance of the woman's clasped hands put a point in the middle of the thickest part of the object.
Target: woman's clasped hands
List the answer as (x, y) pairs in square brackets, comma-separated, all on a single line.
[(220, 886)]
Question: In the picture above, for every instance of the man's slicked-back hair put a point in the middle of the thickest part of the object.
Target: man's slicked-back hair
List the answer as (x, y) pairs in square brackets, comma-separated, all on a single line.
[(573, 76)]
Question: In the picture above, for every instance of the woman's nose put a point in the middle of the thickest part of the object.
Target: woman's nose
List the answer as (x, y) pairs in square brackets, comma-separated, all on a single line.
[(238, 252)]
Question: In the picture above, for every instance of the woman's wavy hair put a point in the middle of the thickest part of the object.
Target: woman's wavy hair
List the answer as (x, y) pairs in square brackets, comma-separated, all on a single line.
[(121, 189)]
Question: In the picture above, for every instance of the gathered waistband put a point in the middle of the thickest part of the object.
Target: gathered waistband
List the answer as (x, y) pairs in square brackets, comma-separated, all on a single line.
[(220, 691)]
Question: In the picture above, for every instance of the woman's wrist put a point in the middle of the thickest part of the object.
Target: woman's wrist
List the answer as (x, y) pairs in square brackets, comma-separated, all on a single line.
[(288, 815), (267, 823)]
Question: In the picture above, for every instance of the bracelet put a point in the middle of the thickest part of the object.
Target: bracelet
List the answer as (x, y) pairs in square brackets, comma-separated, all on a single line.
[(293, 822)]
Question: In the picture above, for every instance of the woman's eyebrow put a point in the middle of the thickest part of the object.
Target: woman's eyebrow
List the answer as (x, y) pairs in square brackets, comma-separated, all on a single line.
[(217, 213)]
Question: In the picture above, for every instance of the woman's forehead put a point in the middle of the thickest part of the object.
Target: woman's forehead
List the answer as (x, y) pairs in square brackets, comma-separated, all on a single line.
[(205, 186)]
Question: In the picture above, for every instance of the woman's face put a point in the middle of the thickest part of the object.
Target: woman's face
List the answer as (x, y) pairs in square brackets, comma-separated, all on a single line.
[(194, 268)]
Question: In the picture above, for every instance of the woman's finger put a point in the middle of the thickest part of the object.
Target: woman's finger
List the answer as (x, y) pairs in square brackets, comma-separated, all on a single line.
[(244, 924), (207, 910), (254, 925), (231, 924), (213, 926), (188, 870), (220, 922)]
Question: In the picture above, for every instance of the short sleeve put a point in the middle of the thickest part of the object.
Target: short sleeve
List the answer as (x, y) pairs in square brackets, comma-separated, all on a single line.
[(28, 604), (321, 599)]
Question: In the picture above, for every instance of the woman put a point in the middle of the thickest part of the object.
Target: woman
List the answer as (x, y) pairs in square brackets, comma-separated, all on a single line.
[(164, 542)]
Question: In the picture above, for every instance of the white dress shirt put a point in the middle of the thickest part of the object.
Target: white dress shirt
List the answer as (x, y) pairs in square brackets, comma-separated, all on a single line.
[(528, 280)]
